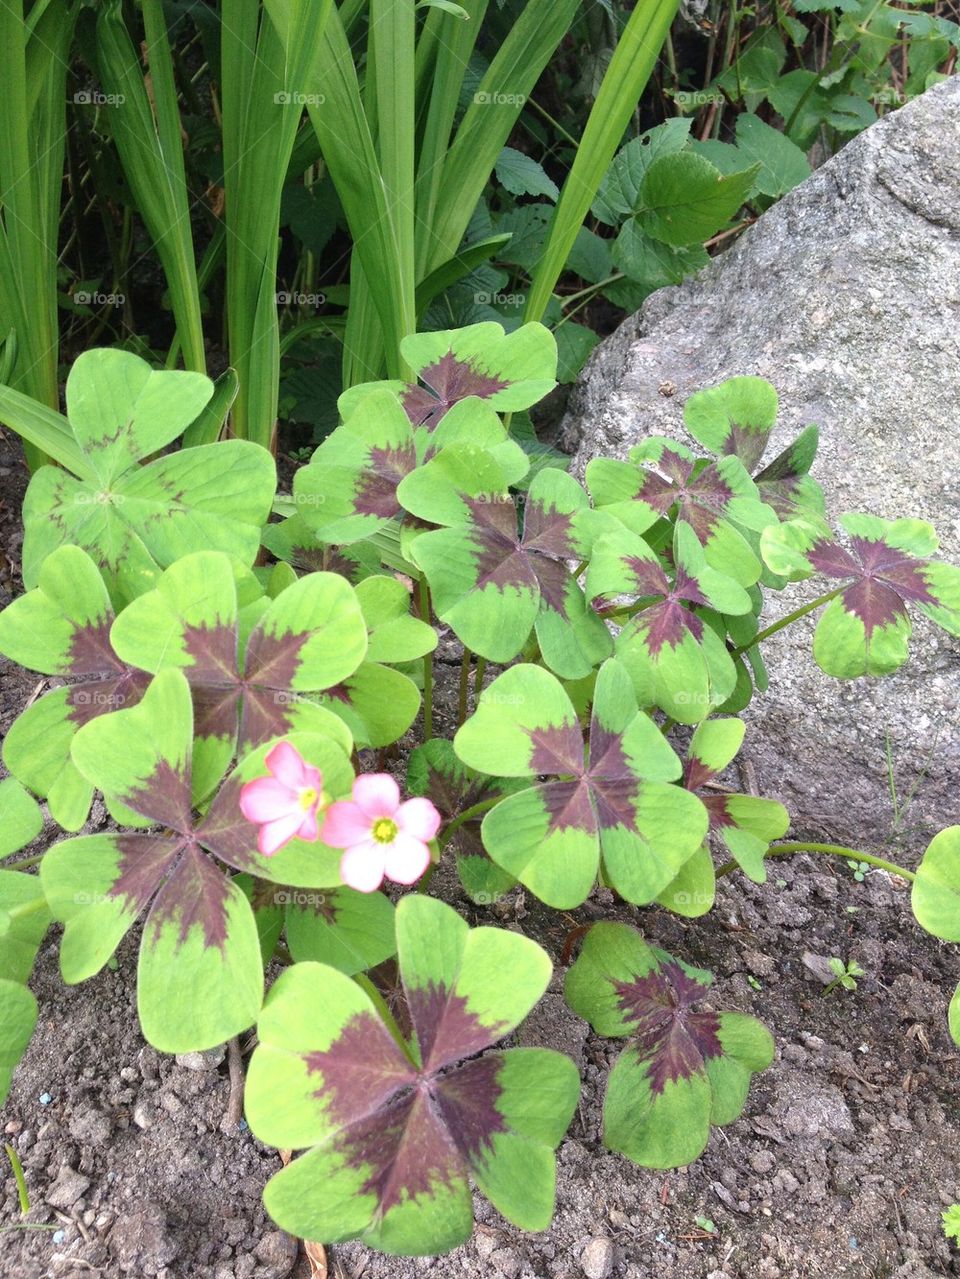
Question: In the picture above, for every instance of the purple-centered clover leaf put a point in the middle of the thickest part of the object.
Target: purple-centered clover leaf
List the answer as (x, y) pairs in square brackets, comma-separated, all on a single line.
[(686, 1067), (717, 499), (393, 1129), (673, 643), (254, 676), (746, 824), (493, 584), (737, 417), (507, 371), (200, 978), (62, 628), (865, 629), (606, 798)]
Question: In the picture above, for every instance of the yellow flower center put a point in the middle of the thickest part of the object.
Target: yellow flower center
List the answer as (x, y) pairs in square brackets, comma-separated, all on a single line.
[(308, 798), (384, 831)]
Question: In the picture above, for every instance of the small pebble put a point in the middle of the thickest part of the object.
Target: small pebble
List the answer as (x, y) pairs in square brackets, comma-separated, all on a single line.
[(45, 1099), (597, 1258)]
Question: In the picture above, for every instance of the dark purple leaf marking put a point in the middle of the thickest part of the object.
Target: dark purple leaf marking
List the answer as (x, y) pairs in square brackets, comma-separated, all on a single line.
[(718, 810), (746, 443), (164, 797), (884, 578), (410, 1129), (104, 682), (196, 894), (447, 382), (446, 1030), (670, 1037), (701, 498), (671, 619), (376, 492), (601, 792)]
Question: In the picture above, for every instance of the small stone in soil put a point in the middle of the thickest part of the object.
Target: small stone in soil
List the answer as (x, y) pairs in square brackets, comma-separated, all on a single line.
[(597, 1258), (67, 1188)]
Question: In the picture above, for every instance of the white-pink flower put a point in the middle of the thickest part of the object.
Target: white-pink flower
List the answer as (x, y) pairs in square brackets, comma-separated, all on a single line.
[(381, 836), (284, 805)]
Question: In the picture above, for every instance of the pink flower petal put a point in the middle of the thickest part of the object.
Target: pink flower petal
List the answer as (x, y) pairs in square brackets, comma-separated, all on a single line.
[(265, 799), (345, 823), (377, 794), (406, 859), (273, 835), (287, 765), (361, 867), (419, 818), (309, 829)]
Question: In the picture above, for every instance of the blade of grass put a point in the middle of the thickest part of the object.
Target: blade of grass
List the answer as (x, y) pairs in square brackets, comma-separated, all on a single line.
[(489, 120), (148, 139), (46, 429), (623, 83), (207, 427)]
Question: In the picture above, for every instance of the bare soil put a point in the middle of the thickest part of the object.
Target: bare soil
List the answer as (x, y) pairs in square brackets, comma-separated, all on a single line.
[(847, 1153)]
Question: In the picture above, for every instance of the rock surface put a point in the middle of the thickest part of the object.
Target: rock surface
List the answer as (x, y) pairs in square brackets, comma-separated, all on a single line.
[(846, 296)]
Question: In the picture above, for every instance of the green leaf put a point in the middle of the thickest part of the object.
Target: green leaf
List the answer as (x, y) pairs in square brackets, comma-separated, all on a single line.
[(684, 199), (781, 163), (684, 1070), (521, 175), (348, 930), (935, 896), (26, 918), (494, 1117), (18, 1017), (21, 820)]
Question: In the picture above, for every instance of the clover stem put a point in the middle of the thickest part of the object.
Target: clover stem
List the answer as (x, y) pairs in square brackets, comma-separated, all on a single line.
[(427, 665), (27, 908), (24, 862), (464, 684), (829, 850), (478, 679), (467, 816), (789, 619)]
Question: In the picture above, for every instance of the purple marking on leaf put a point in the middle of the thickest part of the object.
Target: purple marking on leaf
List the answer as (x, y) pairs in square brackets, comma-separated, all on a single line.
[(227, 833), (267, 713), (903, 572), (445, 1029), (196, 895), (556, 748), (668, 623), (215, 710), (874, 604), (556, 584), (658, 492), (718, 810), (449, 380), (648, 577), (832, 560), (467, 1097), (90, 652), (613, 784), (746, 443), (548, 531), (569, 806), (213, 653), (361, 1070), (377, 484), (98, 697), (696, 773), (164, 797), (142, 863), (673, 1040)]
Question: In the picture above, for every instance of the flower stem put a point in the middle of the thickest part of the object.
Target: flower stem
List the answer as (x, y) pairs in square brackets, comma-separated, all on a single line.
[(829, 850), (467, 815), (478, 680), (790, 619), (427, 665), (31, 907)]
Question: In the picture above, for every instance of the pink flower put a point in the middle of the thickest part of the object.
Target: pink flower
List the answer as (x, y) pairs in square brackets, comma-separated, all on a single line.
[(382, 837), (285, 804)]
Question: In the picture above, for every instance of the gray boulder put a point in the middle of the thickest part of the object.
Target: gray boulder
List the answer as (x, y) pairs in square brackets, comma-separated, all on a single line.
[(846, 296)]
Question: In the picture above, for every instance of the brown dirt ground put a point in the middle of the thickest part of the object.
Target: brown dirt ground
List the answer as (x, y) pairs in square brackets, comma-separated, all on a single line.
[(848, 1150)]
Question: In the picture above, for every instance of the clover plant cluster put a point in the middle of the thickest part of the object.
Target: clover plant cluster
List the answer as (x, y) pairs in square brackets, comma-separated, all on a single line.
[(248, 682)]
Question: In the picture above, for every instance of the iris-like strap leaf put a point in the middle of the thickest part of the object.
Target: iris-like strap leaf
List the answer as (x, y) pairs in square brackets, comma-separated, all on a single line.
[(396, 1129), (866, 629), (672, 647), (611, 797), (684, 1069)]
